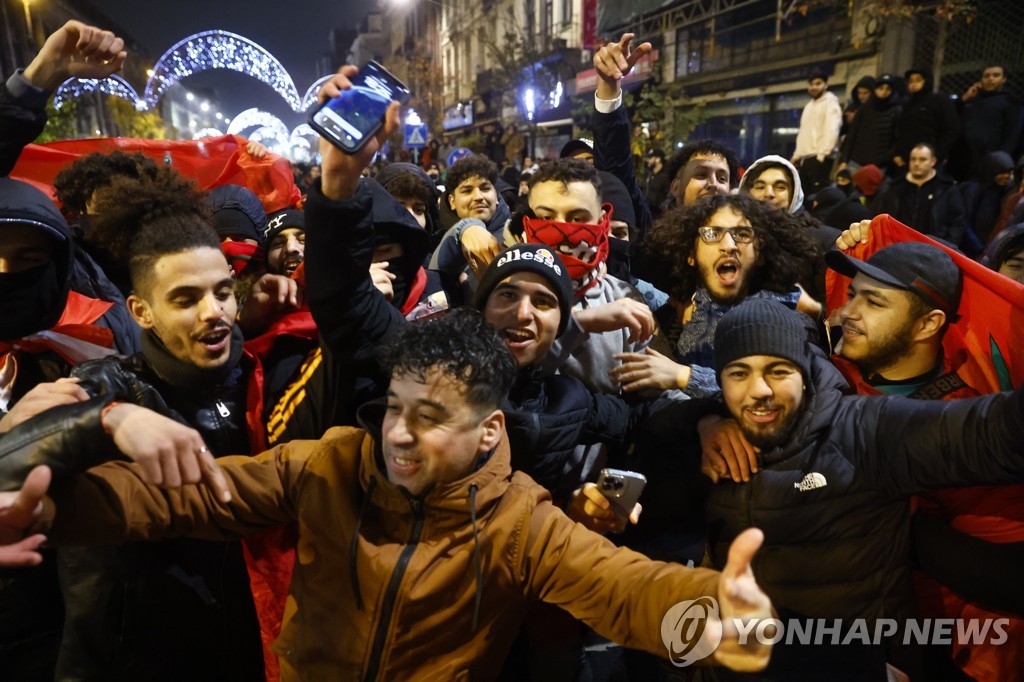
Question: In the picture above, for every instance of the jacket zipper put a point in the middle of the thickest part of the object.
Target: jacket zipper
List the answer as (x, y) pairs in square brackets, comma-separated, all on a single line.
[(380, 637)]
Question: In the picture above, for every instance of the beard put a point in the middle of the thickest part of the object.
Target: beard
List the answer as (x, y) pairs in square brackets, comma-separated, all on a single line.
[(889, 349), (777, 437)]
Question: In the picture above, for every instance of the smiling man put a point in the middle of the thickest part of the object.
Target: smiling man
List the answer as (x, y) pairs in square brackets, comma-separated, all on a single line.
[(421, 537), (831, 492), (901, 301), (190, 372), (483, 216)]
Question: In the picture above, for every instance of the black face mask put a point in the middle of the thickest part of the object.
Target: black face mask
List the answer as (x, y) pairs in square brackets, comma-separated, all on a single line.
[(618, 259), (400, 285), (30, 301)]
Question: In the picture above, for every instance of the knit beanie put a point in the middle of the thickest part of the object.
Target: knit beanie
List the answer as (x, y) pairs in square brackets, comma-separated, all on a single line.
[(762, 327), (281, 221), (868, 179), (536, 258)]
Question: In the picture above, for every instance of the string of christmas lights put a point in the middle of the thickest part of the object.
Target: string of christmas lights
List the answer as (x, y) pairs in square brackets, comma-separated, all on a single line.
[(219, 50), (75, 88)]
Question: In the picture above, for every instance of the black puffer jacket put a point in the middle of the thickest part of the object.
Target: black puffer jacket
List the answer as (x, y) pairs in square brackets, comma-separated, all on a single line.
[(199, 589), (872, 136), (833, 501), (927, 117), (548, 417)]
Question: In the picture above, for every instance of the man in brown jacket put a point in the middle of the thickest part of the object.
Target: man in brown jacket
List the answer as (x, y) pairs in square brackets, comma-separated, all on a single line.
[(419, 549)]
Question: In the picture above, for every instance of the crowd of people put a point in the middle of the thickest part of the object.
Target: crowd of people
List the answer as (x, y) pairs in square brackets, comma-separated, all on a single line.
[(358, 436)]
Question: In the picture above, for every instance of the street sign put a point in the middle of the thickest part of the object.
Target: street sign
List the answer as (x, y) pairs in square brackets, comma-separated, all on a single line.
[(416, 136)]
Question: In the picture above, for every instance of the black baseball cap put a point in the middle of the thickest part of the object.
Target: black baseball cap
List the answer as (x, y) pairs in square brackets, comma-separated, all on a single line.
[(920, 268), (576, 146)]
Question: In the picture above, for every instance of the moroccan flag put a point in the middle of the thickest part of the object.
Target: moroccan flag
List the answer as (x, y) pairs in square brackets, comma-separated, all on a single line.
[(211, 162), (990, 331)]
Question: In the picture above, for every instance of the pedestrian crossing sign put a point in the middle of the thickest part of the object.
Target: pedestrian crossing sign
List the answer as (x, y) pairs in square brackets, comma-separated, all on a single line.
[(416, 136)]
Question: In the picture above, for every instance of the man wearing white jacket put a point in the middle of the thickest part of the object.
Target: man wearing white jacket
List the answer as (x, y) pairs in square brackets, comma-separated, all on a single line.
[(818, 135)]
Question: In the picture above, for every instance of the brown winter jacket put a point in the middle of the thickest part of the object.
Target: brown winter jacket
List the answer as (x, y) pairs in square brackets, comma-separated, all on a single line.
[(405, 608)]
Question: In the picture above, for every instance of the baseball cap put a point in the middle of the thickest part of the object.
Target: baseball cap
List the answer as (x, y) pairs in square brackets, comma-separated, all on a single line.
[(920, 268)]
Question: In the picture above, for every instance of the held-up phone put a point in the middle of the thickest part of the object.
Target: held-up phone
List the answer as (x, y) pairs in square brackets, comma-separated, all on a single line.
[(622, 488), (349, 120)]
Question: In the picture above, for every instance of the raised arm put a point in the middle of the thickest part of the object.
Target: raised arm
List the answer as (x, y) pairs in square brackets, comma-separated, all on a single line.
[(73, 50), (612, 131), (349, 310)]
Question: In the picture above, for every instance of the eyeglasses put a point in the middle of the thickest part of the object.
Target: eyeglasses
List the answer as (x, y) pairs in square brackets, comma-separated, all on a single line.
[(712, 235)]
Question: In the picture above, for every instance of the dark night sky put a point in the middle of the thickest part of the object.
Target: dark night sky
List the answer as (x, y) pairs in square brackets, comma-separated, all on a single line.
[(294, 31)]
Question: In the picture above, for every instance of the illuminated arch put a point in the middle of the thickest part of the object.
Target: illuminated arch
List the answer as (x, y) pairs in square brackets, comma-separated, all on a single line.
[(270, 136), (206, 132), (302, 135), (310, 97), (256, 118), (112, 85), (219, 50)]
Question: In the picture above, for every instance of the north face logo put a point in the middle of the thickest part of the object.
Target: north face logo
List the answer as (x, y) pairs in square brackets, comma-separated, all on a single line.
[(810, 482)]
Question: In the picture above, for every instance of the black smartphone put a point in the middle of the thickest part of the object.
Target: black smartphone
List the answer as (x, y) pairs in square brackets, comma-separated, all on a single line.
[(622, 488), (349, 120)]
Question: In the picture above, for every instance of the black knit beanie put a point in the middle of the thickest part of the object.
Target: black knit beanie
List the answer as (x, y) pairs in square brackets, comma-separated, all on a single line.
[(762, 327), (281, 221), (537, 258)]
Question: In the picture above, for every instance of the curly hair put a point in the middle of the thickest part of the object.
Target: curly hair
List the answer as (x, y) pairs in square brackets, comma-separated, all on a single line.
[(566, 171), (75, 184), (679, 160), (784, 246), (463, 345), (463, 169), (139, 220)]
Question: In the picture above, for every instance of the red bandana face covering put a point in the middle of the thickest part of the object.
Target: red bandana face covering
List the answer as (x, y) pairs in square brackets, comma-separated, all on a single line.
[(240, 255), (583, 247)]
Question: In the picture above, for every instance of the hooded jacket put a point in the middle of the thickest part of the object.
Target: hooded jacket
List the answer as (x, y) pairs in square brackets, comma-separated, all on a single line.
[(23, 204), (872, 136), (390, 172), (388, 585), (832, 501), (448, 257), (927, 117), (983, 199), (796, 196), (820, 122), (993, 121)]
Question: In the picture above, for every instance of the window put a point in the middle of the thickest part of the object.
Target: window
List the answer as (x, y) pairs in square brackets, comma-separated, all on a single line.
[(689, 52)]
